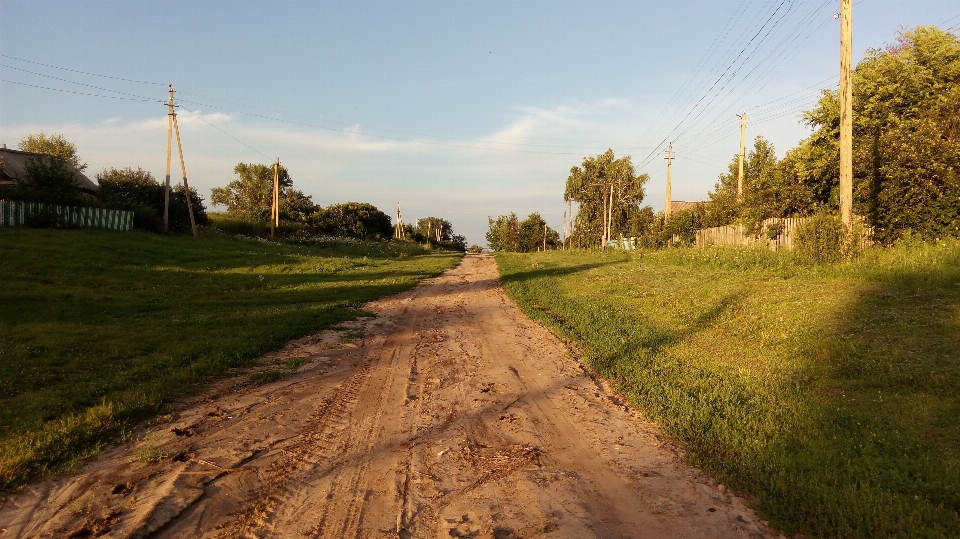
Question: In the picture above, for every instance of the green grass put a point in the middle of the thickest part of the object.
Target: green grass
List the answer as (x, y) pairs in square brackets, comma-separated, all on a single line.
[(829, 396), (100, 330)]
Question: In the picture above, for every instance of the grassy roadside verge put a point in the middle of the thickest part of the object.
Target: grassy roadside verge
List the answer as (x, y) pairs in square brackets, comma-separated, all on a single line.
[(829, 396), (100, 329)]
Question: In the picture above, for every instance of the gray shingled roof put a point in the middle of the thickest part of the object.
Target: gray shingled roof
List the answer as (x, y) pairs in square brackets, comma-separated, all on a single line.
[(15, 164), (679, 205)]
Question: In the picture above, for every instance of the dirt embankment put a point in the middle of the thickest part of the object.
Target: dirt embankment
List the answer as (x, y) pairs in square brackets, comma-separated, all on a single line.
[(452, 416)]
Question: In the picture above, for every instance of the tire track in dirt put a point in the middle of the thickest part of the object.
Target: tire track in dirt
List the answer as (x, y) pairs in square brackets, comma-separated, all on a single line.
[(453, 416)]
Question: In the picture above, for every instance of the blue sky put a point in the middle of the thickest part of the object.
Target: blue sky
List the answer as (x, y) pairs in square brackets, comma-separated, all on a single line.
[(456, 109)]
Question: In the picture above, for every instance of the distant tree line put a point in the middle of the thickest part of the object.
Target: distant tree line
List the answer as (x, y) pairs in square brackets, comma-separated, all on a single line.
[(248, 199), (49, 178), (508, 233)]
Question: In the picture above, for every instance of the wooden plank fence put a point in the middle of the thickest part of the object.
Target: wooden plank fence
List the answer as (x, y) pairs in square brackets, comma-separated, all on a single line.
[(738, 235), (16, 213)]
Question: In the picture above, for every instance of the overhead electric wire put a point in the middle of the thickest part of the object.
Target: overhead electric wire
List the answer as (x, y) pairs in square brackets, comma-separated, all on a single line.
[(714, 85), (225, 133), (723, 60), (269, 117), (792, 36), (74, 82), (743, 65), (144, 99), (78, 71), (780, 59), (721, 37)]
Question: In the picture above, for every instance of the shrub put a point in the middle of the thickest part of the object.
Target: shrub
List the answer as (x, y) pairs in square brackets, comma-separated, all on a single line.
[(137, 190), (48, 180), (819, 240)]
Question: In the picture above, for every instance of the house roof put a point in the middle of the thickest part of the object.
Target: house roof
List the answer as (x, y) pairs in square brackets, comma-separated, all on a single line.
[(15, 166), (679, 205)]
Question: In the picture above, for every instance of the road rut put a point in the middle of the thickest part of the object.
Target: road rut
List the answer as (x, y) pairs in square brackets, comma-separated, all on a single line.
[(453, 415)]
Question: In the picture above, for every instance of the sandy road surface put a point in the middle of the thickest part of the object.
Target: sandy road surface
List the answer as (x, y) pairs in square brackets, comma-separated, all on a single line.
[(453, 416)]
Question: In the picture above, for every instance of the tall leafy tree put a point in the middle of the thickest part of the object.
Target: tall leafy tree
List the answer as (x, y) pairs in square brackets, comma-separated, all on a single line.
[(591, 186), (504, 233), (534, 232), (906, 146), (250, 196), (56, 145), (427, 228), (771, 189)]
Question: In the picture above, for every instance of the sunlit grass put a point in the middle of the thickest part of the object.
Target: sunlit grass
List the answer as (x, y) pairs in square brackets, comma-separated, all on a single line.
[(101, 329), (829, 395)]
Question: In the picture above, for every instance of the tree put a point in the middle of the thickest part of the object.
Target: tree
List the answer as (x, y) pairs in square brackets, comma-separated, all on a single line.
[(531, 234), (609, 196), (504, 233), (771, 188), (906, 143), (509, 234), (250, 197), (427, 228), (353, 219), (139, 191), (56, 145)]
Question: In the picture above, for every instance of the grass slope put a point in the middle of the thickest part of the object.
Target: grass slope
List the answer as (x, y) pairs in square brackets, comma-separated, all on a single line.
[(830, 396), (101, 329)]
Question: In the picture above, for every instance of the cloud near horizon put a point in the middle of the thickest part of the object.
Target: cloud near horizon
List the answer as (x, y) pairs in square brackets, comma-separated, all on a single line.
[(521, 167)]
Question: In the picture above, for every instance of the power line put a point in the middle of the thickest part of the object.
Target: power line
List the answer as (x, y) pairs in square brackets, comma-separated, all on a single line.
[(143, 99), (225, 133), (74, 82), (262, 116), (78, 71), (714, 85)]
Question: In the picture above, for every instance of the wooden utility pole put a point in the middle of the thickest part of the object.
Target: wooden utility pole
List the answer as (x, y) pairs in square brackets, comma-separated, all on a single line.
[(669, 207), (183, 169), (400, 233), (544, 237), (609, 216), (563, 240), (570, 212), (846, 113), (743, 153), (166, 190), (275, 199)]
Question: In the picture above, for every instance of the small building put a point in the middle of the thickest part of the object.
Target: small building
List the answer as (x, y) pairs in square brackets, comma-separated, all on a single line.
[(13, 167)]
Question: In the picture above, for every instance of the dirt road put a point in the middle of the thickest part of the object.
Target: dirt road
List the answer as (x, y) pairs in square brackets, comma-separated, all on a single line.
[(452, 416)]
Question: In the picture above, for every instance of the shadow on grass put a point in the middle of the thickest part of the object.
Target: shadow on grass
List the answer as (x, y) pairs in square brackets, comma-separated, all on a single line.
[(91, 342), (849, 430)]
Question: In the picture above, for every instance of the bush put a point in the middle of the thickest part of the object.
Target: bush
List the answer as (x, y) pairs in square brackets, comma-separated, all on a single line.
[(819, 240), (354, 219), (48, 180), (137, 190)]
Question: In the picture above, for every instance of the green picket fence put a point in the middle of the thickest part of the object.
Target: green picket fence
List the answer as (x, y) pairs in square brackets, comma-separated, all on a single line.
[(16, 213)]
